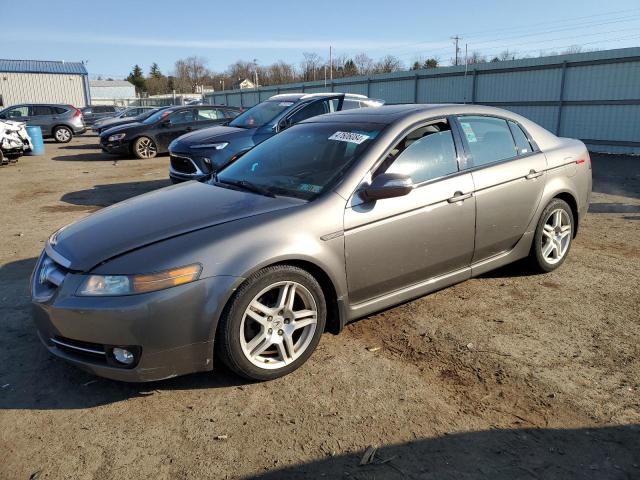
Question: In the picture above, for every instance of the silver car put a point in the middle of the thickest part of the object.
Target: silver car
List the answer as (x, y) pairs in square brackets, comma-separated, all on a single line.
[(59, 121), (335, 218)]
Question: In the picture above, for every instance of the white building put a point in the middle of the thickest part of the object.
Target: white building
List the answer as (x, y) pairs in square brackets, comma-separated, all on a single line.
[(111, 90), (35, 81)]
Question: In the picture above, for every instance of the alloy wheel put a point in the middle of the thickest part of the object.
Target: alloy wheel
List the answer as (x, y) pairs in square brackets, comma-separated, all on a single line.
[(63, 135), (146, 148), (278, 325), (556, 236)]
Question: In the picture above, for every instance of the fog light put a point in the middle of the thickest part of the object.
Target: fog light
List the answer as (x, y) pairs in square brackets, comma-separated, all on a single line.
[(123, 356)]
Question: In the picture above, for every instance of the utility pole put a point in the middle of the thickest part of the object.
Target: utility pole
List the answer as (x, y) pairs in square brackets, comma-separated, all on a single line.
[(255, 71), (456, 40), (330, 64)]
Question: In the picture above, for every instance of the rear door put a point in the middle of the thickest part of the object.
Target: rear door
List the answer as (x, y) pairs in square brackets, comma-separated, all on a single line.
[(509, 177), (394, 243), (210, 116), (42, 116)]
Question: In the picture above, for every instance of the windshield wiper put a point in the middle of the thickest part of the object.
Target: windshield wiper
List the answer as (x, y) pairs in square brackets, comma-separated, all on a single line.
[(252, 187)]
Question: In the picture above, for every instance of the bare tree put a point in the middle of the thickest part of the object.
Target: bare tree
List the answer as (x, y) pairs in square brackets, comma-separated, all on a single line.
[(310, 65), (388, 64), (190, 73), (476, 57), (364, 63)]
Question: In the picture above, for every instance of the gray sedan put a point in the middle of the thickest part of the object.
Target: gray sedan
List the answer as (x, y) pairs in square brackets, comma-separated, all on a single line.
[(338, 217)]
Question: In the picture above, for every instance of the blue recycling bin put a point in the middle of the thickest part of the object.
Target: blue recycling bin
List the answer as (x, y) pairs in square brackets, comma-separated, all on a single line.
[(37, 143)]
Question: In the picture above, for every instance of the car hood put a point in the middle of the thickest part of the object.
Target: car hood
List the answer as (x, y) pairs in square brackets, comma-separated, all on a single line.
[(127, 128), (157, 216), (212, 134)]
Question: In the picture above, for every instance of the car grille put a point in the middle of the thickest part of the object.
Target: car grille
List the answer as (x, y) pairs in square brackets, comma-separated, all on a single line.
[(183, 164), (47, 278)]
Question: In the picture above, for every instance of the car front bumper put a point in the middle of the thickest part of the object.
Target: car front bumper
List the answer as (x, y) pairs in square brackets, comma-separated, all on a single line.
[(116, 148), (171, 331)]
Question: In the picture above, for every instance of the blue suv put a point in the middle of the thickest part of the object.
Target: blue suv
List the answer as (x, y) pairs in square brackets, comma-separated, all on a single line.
[(197, 155)]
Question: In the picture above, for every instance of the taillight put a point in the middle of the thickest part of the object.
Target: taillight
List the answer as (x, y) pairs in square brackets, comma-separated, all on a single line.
[(582, 160), (77, 113)]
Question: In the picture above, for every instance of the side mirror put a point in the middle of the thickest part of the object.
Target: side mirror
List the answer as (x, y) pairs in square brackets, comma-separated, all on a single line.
[(388, 185)]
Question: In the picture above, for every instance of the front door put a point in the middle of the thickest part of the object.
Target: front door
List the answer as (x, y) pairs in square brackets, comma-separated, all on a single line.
[(176, 125), (394, 243), (509, 179)]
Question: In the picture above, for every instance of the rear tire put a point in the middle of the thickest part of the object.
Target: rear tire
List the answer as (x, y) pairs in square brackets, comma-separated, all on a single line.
[(145, 147), (553, 237), (272, 324), (62, 134)]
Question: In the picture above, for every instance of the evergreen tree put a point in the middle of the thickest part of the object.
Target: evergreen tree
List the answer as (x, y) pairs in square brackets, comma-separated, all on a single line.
[(137, 79)]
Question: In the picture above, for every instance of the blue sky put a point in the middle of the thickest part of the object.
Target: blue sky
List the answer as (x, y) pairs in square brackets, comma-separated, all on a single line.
[(114, 35)]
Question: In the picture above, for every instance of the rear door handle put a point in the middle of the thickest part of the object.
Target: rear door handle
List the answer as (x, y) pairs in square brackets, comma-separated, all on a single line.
[(459, 197), (533, 174)]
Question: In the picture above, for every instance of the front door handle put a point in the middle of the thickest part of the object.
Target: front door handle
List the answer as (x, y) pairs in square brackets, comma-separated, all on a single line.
[(459, 197), (533, 174)]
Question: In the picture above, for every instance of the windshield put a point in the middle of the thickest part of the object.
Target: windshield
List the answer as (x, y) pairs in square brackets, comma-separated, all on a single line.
[(303, 161), (261, 114), (156, 117)]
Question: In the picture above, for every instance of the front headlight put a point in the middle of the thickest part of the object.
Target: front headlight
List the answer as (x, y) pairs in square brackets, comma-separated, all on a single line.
[(116, 137), (216, 146), (112, 285)]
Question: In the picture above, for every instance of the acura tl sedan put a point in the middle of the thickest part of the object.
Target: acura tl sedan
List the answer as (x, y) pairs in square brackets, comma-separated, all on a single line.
[(335, 218)]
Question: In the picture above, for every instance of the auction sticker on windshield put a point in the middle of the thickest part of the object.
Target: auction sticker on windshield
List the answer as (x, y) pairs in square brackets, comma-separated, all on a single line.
[(349, 137)]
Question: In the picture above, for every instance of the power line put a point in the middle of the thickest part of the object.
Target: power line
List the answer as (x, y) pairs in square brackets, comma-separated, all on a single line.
[(536, 33)]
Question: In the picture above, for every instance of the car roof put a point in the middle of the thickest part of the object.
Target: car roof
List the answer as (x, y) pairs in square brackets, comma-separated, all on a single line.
[(294, 97), (193, 107)]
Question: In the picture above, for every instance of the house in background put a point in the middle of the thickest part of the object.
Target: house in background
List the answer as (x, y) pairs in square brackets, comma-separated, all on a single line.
[(244, 84), (111, 92), (36, 81)]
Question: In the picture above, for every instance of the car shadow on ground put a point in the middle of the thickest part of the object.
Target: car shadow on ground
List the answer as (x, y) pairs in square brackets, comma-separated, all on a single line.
[(613, 208), (90, 157), (498, 454), (105, 195), (31, 378), (82, 146)]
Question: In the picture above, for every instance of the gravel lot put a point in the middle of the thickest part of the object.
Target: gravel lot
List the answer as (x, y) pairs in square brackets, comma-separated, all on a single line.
[(510, 375)]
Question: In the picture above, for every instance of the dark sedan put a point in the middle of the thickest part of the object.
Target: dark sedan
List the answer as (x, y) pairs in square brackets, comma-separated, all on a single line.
[(196, 155), (152, 136)]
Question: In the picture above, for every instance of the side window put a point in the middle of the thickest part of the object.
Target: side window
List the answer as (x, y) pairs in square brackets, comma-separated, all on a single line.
[(315, 108), (59, 110), (183, 116), (206, 114), (18, 112), (425, 154), (40, 110), (523, 147), (489, 139), (231, 113), (350, 104)]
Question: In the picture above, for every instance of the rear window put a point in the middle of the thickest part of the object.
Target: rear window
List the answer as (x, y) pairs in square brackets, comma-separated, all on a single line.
[(60, 110)]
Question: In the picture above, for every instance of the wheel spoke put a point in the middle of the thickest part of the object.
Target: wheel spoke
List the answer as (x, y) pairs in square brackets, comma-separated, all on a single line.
[(548, 248), (258, 344), (304, 317), (557, 221), (287, 295), (285, 355)]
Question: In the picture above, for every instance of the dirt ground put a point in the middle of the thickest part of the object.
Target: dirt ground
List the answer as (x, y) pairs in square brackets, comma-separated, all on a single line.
[(506, 376)]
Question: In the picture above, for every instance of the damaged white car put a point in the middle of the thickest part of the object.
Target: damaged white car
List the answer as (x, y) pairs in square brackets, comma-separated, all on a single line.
[(14, 141)]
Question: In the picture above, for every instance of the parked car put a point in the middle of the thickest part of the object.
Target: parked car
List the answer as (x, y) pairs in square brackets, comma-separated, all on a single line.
[(61, 122), (92, 113), (152, 136), (333, 219), (195, 156), (130, 115)]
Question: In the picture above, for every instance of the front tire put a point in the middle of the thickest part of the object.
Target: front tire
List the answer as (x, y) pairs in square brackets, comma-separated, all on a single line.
[(145, 147), (62, 134), (272, 324), (552, 240)]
